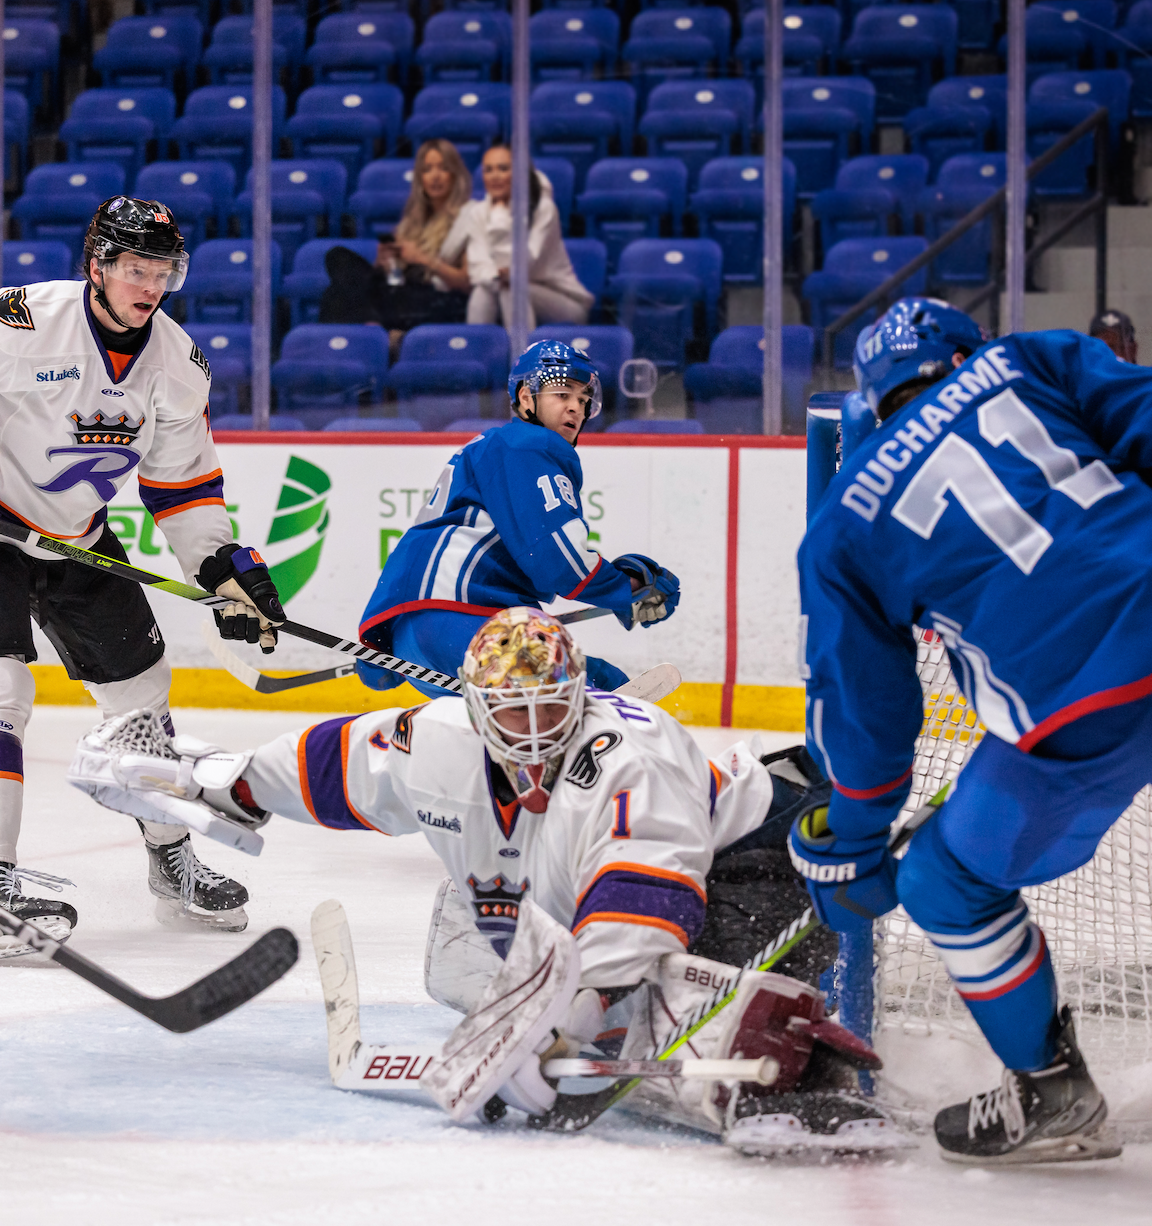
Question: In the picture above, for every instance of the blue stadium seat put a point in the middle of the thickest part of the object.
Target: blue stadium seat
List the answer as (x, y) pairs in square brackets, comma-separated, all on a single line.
[(243, 421), (228, 348), (727, 390), (1047, 122), (17, 130), (560, 173), (443, 367), (161, 50), (825, 119), (217, 124), (229, 57), (1096, 21), (356, 425), (345, 122), (811, 42), (381, 193), (1137, 31), (902, 49), (1053, 45), (852, 269), (201, 9), (589, 259), (219, 284), (569, 46), (195, 191), (655, 425), (467, 46), (729, 208), (976, 23), (471, 425), (582, 122), (903, 175), (665, 44), (359, 48), (938, 133), (148, 102), (120, 141), (32, 60), (1110, 87), (989, 92), (308, 279), (330, 366), (608, 345), (659, 286), (471, 116), (698, 121), (964, 181), (28, 263), (302, 190), (626, 198), (59, 201)]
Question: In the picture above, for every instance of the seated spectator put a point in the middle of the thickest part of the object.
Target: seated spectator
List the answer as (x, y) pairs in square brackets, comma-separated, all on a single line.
[(484, 231), (413, 281), (1115, 329)]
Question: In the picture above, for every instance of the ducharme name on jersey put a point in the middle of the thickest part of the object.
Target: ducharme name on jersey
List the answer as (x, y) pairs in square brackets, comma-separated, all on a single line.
[(990, 370)]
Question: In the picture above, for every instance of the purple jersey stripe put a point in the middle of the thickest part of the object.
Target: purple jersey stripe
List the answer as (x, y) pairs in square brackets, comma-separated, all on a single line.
[(159, 499), (630, 893), (11, 755), (324, 763)]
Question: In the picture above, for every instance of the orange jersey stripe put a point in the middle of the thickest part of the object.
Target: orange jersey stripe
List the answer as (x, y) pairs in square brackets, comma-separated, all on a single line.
[(302, 770), (15, 776), (181, 485), (344, 774), (624, 917), (198, 502)]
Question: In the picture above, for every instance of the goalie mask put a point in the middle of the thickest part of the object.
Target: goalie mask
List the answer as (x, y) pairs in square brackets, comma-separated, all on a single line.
[(523, 682)]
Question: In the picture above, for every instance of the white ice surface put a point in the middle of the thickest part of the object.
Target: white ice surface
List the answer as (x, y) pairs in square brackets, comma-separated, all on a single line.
[(106, 1118)]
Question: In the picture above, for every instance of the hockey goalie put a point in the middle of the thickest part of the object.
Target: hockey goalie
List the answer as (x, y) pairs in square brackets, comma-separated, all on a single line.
[(669, 871)]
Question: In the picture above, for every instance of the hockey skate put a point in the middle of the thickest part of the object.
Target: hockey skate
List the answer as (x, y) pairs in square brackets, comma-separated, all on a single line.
[(818, 1122), (1055, 1115), (188, 892), (55, 918)]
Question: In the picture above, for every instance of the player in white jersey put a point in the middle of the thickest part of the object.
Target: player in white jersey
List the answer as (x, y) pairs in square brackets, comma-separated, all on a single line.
[(97, 383), (603, 811)]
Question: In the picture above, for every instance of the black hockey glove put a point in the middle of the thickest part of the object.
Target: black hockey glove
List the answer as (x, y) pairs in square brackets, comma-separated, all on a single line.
[(240, 575)]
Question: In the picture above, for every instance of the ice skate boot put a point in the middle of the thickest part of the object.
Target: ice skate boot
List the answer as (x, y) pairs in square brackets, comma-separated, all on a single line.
[(1054, 1115), (822, 1122), (56, 919), (190, 892)]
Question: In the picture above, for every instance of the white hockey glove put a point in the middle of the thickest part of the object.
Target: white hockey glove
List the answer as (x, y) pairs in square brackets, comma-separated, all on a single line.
[(131, 765)]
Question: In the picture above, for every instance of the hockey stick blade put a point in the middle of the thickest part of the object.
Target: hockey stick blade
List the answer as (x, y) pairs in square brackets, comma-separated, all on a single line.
[(264, 683), (218, 993)]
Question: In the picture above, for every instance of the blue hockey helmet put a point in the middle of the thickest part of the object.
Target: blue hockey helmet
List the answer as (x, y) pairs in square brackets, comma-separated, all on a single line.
[(545, 362), (914, 339)]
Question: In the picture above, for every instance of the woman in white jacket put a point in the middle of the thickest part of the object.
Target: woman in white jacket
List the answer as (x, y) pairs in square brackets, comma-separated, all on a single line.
[(484, 231)]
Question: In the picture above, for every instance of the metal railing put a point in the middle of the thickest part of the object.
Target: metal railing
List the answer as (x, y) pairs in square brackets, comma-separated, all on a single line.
[(1097, 203)]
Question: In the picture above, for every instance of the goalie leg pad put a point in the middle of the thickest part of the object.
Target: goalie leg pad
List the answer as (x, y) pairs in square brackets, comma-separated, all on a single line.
[(459, 961)]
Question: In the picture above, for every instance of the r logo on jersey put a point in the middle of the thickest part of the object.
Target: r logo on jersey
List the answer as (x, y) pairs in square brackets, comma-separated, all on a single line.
[(586, 770), (14, 312), (197, 356)]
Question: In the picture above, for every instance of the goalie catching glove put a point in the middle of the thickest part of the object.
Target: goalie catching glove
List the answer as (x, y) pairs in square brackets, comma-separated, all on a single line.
[(240, 575), (657, 596), (131, 765), (851, 881)]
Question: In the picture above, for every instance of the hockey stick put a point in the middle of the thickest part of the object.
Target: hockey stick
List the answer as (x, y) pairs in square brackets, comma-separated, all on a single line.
[(651, 685), (124, 570), (572, 1112), (390, 1068), (218, 993)]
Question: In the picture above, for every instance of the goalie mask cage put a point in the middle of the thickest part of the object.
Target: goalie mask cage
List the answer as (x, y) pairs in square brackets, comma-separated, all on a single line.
[(1097, 920)]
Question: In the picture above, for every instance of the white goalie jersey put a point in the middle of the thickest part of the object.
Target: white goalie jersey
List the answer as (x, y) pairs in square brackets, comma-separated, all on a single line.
[(619, 857), (76, 422)]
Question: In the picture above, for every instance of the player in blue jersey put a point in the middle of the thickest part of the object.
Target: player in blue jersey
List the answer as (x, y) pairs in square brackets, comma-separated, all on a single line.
[(1001, 503), (505, 527)]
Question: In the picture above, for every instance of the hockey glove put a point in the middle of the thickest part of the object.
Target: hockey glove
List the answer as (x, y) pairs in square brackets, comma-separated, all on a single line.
[(240, 575), (377, 678), (657, 596), (851, 881)]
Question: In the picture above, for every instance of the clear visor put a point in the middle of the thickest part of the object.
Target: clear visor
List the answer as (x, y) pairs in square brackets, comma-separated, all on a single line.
[(526, 727), (151, 277)]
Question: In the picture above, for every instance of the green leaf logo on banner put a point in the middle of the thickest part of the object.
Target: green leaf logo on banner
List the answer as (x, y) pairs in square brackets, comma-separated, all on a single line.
[(302, 519)]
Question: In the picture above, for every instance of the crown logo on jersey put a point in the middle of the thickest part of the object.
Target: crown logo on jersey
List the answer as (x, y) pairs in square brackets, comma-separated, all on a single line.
[(496, 898), (105, 429)]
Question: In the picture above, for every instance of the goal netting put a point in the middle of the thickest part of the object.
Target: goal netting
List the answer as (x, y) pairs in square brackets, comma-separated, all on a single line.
[(1098, 920)]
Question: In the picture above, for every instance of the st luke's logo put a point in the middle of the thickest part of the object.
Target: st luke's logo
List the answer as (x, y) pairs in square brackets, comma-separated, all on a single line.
[(103, 447)]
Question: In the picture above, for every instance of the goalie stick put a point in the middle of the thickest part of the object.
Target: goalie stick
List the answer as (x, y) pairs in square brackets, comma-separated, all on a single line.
[(218, 993), (651, 685), (391, 1068), (573, 1112)]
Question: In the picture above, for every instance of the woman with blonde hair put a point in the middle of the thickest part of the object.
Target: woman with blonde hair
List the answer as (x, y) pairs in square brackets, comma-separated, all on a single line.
[(411, 281)]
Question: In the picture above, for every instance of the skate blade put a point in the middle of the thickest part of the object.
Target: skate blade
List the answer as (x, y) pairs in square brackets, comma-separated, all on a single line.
[(13, 950), (172, 914), (1075, 1148), (783, 1135)]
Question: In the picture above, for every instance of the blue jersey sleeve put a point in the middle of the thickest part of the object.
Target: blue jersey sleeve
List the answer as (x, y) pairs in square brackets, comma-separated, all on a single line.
[(530, 487), (864, 700)]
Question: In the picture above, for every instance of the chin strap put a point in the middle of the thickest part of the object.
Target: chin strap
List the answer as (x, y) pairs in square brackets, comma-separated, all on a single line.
[(529, 415), (101, 298)]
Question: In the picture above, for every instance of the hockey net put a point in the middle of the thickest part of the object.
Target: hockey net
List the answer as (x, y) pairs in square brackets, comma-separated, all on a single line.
[(1098, 920)]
